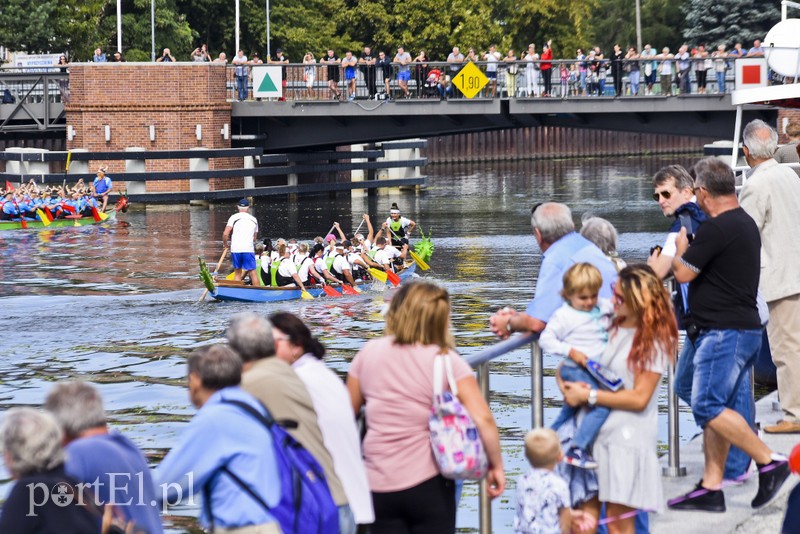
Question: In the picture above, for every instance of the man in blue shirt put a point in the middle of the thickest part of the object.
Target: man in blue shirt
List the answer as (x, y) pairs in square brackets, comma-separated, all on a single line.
[(222, 435), (110, 465), (562, 247), (101, 186)]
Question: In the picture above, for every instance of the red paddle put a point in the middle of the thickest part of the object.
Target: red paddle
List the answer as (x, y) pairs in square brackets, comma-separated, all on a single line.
[(330, 291), (393, 278), (350, 290)]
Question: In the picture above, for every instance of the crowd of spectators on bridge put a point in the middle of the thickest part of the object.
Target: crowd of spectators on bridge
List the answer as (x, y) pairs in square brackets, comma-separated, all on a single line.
[(533, 72)]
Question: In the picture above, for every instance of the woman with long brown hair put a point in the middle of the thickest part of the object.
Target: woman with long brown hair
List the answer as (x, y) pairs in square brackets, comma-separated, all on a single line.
[(642, 343), (393, 376)]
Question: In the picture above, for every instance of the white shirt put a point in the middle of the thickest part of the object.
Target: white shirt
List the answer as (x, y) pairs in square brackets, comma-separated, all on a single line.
[(320, 265), (385, 256), (305, 265), (339, 432), (491, 61), (287, 268), (340, 264), (569, 328), (245, 226)]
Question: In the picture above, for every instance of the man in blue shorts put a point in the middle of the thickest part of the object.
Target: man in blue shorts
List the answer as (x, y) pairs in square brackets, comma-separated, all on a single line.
[(403, 71), (349, 63), (101, 186), (722, 266), (240, 234)]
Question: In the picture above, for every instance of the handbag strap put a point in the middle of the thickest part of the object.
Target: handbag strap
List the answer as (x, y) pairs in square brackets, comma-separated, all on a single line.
[(439, 363)]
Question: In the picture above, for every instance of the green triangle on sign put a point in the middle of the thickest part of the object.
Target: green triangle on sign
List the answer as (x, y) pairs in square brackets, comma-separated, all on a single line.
[(267, 84)]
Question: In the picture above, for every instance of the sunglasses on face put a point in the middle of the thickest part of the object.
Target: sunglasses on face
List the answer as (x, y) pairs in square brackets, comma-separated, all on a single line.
[(665, 194)]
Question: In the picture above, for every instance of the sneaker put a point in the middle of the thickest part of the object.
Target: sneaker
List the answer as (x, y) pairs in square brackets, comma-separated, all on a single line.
[(580, 458), (700, 498), (770, 479)]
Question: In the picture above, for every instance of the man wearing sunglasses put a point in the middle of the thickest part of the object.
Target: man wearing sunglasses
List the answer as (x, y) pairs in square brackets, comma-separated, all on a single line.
[(672, 187)]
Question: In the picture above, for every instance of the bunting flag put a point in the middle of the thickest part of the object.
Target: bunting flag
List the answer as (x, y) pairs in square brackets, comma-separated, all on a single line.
[(45, 216)]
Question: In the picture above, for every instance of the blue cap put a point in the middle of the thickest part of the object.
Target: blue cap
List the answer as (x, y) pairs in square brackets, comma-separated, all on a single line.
[(244, 203)]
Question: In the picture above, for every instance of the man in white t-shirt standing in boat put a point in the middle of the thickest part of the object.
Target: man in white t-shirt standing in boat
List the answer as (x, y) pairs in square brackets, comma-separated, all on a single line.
[(240, 234)]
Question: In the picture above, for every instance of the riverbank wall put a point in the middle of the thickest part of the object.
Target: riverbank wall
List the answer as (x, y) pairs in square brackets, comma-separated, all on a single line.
[(550, 142)]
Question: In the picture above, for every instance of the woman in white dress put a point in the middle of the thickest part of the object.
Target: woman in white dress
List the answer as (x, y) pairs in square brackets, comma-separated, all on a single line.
[(642, 343), (532, 71)]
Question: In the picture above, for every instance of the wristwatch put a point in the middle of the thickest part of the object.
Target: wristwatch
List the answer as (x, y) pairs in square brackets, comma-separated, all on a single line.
[(592, 400)]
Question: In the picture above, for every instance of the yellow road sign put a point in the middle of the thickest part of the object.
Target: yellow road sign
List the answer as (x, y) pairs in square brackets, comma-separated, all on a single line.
[(470, 80)]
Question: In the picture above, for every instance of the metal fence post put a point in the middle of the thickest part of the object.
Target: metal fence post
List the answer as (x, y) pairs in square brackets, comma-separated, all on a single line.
[(674, 468), (537, 386), (484, 501)]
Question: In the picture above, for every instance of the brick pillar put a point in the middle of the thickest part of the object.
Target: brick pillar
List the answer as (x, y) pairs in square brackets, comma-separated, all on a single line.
[(132, 97)]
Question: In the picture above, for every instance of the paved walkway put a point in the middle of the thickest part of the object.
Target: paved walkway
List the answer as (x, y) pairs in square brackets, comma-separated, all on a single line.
[(739, 518)]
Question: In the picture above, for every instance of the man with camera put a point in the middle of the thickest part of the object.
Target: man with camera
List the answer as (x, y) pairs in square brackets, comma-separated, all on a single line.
[(673, 190), (166, 57)]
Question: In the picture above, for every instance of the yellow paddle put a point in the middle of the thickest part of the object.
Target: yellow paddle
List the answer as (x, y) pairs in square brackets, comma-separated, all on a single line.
[(422, 265), (377, 274), (305, 295)]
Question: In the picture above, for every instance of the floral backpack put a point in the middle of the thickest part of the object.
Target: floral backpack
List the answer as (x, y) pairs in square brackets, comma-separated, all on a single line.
[(456, 443)]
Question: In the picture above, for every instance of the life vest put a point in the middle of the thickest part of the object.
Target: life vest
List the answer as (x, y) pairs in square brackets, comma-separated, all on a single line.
[(273, 271), (397, 227)]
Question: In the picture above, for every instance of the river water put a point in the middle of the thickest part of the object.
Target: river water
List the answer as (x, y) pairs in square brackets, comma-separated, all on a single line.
[(117, 304)]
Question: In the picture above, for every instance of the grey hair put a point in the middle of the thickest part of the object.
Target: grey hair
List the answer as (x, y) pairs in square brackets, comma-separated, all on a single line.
[(77, 406), (31, 441), (715, 176), (761, 139), (600, 232), (553, 220), (250, 335), (217, 366), (681, 177)]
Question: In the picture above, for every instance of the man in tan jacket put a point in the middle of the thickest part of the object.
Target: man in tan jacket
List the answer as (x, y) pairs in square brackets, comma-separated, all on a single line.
[(771, 196)]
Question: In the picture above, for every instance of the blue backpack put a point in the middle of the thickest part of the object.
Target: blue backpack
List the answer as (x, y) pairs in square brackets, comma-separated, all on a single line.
[(306, 505)]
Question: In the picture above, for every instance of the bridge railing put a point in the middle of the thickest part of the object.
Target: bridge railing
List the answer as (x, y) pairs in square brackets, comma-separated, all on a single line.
[(32, 96), (482, 360), (507, 79)]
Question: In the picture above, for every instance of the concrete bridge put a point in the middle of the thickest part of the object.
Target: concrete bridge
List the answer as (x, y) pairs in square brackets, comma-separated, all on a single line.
[(301, 124), (38, 110)]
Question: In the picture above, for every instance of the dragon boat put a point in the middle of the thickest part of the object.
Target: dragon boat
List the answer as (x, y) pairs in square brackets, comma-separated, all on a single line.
[(227, 290), (68, 221)]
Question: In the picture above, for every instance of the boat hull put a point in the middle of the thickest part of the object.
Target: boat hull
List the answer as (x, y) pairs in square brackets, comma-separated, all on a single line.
[(255, 294)]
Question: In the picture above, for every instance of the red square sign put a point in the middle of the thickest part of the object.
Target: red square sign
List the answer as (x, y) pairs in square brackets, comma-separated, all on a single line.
[(751, 74)]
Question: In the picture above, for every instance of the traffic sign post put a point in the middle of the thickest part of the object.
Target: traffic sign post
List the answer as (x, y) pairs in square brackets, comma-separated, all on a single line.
[(267, 82), (470, 80)]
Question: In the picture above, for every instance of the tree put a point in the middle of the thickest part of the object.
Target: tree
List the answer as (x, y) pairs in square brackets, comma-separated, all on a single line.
[(568, 23), (27, 25), (729, 21)]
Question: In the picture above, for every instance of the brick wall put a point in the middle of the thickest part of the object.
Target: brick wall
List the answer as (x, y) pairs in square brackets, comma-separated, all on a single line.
[(130, 97)]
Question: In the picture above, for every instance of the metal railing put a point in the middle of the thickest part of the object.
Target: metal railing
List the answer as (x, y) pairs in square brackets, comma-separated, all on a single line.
[(516, 79), (481, 361), (32, 96)]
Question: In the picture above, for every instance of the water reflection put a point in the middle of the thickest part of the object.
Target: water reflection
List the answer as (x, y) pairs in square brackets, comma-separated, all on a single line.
[(115, 304)]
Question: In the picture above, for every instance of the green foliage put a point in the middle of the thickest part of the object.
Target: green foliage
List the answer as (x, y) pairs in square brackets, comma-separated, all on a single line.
[(298, 26), (730, 21), (26, 25)]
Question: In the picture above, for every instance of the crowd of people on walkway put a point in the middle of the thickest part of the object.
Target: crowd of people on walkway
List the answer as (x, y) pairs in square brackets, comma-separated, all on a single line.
[(269, 411)]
